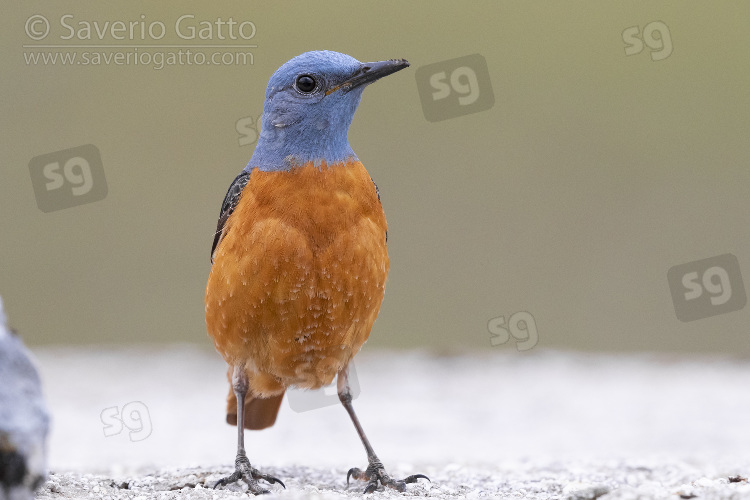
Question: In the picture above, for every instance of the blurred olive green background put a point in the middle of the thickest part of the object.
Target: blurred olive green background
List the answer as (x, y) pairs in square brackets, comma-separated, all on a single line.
[(592, 175)]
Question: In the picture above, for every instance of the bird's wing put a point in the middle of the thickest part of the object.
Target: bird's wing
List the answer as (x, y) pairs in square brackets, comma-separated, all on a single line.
[(377, 189), (377, 192), (227, 207), (24, 420)]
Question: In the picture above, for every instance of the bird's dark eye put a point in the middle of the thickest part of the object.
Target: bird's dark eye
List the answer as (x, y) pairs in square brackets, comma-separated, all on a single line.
[(305, 84)]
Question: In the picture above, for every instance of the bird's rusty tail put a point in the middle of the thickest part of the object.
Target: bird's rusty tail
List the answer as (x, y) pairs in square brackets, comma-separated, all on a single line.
[(260, 413)]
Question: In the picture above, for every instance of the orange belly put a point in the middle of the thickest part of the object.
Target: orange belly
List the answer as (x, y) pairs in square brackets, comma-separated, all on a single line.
[(299, 276)]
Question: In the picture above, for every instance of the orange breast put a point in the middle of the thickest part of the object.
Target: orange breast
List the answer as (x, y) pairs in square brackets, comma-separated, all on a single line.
[(298, 279)]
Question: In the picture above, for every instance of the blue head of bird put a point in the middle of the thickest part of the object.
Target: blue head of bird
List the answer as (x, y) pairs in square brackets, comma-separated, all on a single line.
[(310, 103)]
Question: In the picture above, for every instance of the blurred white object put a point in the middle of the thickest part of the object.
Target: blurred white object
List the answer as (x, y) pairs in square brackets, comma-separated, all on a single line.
[(24, 422)]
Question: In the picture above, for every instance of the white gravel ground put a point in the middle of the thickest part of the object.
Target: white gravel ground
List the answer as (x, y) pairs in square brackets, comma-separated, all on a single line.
[(498, 424)]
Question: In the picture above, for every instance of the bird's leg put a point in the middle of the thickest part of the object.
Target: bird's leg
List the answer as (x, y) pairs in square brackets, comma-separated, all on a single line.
[(243, 470), (375, 472)]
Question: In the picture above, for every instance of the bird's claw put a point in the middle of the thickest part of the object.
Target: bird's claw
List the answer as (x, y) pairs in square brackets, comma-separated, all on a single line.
[(375, 473), (243, 470)]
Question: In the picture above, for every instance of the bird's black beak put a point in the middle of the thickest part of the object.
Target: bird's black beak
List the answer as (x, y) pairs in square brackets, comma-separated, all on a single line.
[(369, 72)]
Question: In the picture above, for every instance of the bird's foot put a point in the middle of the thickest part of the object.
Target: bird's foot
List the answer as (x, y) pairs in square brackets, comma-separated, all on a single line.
[(375, 473), (243, 470)]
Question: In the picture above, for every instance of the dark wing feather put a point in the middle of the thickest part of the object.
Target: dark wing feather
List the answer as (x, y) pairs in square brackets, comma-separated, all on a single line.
[(230, 203), (377, 192)]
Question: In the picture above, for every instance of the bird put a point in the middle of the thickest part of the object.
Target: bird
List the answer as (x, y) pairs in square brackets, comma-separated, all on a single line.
[(299, 256), (24, 419)]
